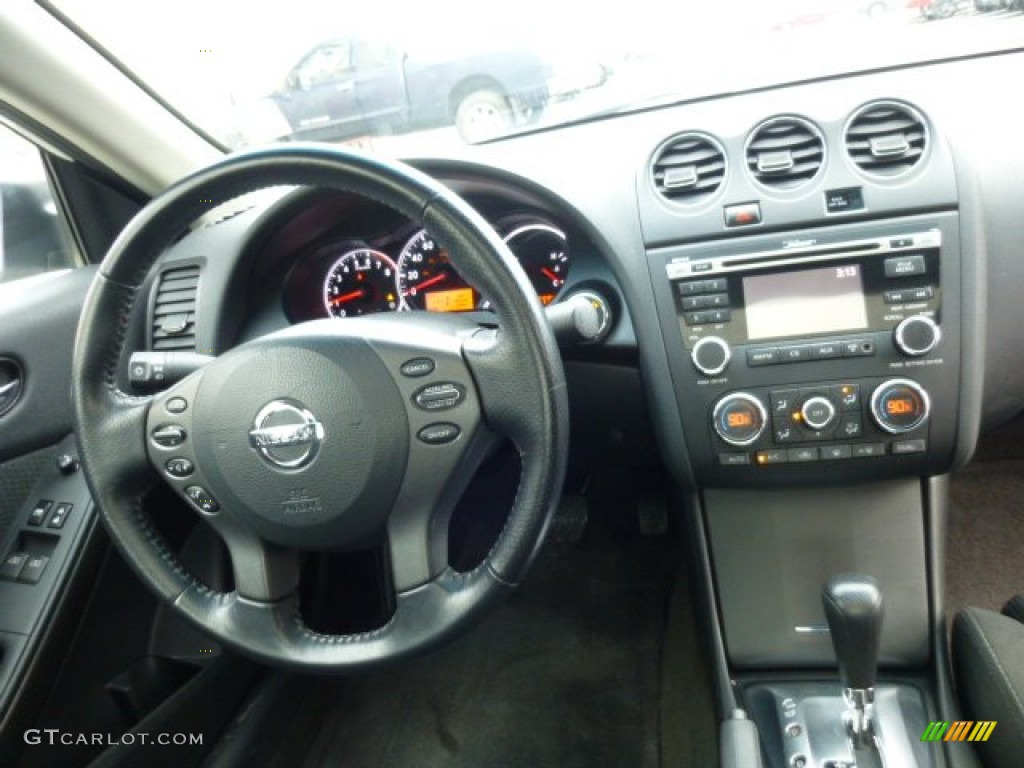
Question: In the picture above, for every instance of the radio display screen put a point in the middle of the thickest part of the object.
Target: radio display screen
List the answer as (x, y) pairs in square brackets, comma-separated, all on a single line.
[(810, 301)]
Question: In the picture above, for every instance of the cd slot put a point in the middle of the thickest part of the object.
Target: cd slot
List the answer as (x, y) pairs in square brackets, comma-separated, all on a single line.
[(773, 258)]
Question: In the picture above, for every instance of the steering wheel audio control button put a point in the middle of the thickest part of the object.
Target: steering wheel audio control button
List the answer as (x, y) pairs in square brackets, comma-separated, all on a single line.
[(439, 397), (176, 405), (169, 435), (418, 366), (202, 499), (179, 467), (439, 434)]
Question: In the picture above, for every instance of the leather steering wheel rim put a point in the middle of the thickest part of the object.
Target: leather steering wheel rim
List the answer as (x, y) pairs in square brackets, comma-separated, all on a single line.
[(517, 373)]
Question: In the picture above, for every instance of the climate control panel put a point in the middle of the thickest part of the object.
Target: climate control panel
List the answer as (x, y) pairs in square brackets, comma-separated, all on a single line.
[(826, 421)]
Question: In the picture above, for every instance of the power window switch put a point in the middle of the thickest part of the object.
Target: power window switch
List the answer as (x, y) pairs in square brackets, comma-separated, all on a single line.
[(12, 566), (38, 515), (60, 515), (33, 570)]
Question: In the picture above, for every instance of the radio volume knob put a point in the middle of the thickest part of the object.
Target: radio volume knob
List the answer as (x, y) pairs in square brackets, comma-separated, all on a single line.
[(711, 355), (900, 405), (917, 335)]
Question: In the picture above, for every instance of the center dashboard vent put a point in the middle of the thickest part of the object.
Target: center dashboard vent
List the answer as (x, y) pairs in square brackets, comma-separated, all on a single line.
[(174, 309), (886, 138), (785, 152), (688, 168)]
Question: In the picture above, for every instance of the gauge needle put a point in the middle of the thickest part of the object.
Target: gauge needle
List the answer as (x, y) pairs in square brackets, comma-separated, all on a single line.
[(348, 296), (427, 283), (551, 275)]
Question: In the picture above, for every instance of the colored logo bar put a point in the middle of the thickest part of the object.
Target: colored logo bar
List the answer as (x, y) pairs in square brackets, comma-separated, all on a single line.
[(960, 730)]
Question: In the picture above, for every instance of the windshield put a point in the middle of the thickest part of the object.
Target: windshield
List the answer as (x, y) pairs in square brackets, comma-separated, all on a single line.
[(408, 77)]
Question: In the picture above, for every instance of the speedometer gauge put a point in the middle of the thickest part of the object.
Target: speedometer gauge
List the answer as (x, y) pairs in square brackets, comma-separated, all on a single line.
[(427, 280), (360, 282), (543, 252)]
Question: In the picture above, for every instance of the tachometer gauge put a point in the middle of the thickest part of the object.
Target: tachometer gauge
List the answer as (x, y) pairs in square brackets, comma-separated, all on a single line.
[(427, 280), (543, 252), (360, 282)]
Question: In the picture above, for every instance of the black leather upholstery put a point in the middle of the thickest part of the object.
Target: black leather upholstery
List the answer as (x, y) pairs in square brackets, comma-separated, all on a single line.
[(988, 653)]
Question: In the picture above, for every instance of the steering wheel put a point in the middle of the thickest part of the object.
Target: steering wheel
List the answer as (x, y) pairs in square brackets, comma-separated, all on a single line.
[(328, 435)]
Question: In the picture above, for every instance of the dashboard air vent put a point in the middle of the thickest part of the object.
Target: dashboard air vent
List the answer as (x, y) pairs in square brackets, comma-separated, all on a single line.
[(688, 168), (785, 152), (886, 138), (174, 309)]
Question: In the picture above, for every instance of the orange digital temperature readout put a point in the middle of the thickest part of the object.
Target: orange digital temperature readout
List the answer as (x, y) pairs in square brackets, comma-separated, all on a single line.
[(739, 419), (897, 406), (457, 300)]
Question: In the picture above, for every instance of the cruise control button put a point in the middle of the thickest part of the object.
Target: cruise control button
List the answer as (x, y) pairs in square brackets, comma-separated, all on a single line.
[(179, 467), (438, 434), (202, 499), (33, 570), (60, 515), (904, 266), (418, 366), (439, 397), (38, 515), (169, 435)]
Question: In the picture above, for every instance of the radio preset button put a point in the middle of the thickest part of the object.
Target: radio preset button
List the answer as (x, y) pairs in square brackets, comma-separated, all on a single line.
[(718, 300), (900, 405), (719, 315), (739, 418), (696, 318), (692, 287), (762, 356), (710, 355), (695, 302), (716, 285), (905, 266)]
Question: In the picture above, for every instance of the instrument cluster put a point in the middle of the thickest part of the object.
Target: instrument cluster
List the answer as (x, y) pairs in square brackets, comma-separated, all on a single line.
[(409, 269)]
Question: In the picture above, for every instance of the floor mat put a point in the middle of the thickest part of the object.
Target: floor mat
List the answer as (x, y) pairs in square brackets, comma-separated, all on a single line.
[(984, 567), (565, 674)]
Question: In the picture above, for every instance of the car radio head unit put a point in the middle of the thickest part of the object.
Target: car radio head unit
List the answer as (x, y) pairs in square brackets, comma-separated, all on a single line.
[(838, 345), (803, 291)]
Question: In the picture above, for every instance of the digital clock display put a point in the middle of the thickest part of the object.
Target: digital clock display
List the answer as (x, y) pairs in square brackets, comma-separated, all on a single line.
[(809, 301)]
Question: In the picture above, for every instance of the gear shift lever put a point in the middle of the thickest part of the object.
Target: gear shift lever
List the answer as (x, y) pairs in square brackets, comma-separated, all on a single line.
[(853, 608)]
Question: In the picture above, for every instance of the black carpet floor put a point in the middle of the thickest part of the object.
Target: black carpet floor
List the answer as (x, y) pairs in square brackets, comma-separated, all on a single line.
[(984, 562), (566, 673)]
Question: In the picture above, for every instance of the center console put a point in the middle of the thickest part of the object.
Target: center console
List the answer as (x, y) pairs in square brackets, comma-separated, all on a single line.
[(822, 353)]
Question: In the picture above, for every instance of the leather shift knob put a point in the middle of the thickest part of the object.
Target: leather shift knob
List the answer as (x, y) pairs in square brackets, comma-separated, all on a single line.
[(854, 610)]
